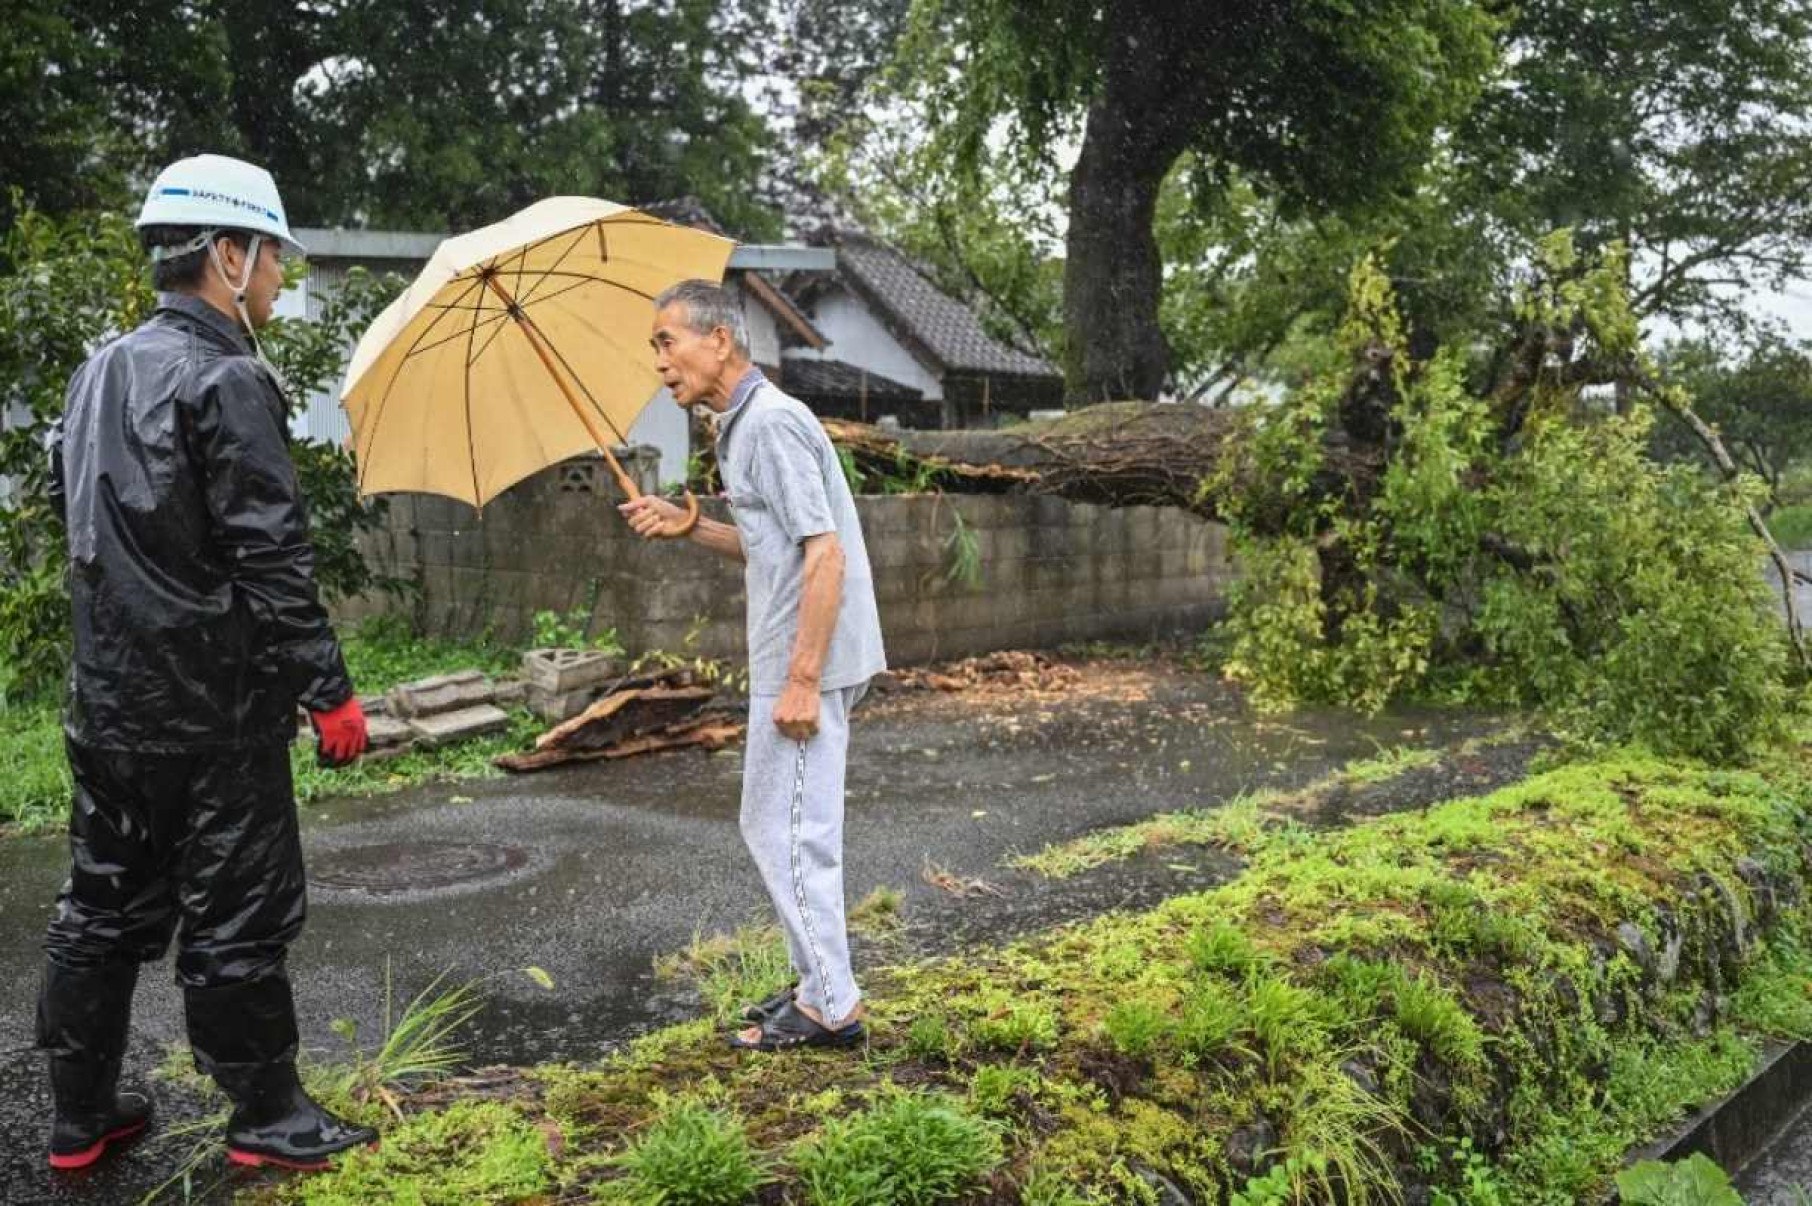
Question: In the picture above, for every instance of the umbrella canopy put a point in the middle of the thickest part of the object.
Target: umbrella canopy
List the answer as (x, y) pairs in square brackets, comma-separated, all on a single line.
[(519, 345)]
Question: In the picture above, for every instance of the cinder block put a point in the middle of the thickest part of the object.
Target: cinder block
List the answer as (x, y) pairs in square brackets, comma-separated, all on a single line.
[(555, 706), (445, 728), (557, 671)]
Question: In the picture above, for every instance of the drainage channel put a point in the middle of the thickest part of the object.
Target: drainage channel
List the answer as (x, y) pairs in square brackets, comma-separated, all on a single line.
[(1761, 1134)]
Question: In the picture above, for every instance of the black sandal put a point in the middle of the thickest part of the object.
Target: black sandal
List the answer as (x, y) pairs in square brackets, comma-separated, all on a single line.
[(789, 1027), (768, 1006)]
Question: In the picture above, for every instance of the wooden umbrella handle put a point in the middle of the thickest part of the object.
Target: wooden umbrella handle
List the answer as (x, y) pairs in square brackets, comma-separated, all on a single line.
[(686, 523), (527, 326)]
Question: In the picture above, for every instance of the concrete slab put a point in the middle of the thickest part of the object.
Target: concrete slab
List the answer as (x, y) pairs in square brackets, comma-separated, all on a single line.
[(442, 693), (385, 731), (444, 728)]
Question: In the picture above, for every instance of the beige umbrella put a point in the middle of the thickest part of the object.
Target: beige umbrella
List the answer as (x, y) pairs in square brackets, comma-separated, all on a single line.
[(519, 345)]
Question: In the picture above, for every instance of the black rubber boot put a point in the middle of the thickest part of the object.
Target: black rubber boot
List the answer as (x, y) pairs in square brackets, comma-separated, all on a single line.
[(244, 1036), (92, 1116), (82, 1024), (275, 1122)]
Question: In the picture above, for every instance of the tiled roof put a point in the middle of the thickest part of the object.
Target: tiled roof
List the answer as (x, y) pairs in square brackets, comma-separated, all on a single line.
[(684, 211), (943, 326), (808, 377)]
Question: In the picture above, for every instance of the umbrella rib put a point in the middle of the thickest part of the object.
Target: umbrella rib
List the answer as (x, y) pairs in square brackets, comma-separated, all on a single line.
[(466, 380), (377, 415), (541, 278), (601, 280), (499, 327), (497, 316), (495, 321), (580, 382)]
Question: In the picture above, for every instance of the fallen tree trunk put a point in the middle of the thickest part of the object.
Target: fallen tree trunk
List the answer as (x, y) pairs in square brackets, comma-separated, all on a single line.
[(1119, 454)]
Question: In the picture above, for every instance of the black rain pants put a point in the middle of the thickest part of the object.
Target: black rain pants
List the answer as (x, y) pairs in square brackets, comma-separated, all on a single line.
[(202, 846)]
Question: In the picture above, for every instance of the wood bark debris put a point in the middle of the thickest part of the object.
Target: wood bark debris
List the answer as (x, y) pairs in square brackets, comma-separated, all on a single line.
[(658, 713)]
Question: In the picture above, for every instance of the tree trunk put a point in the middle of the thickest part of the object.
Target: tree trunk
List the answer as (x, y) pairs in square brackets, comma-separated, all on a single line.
[(1112, 275), (1152, 87)]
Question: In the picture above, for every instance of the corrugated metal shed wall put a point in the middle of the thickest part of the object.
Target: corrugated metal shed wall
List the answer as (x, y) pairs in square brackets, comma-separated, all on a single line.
[(322, 418)]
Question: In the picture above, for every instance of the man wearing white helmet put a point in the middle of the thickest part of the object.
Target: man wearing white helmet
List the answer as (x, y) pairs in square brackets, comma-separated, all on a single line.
[(197, 631)]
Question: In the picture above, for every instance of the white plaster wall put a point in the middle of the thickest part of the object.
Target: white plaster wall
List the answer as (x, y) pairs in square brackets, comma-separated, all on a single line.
[(664, 425), (858, 338), (764, 329)]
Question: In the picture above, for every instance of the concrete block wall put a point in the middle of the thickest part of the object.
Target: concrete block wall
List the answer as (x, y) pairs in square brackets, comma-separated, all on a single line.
[(1049, 572)]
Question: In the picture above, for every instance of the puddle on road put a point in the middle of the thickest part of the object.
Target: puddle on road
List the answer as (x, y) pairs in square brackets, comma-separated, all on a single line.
[(394, 868)]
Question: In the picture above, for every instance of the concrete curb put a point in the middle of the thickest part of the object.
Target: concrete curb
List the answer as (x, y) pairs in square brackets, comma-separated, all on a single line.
[(1742, 1126)]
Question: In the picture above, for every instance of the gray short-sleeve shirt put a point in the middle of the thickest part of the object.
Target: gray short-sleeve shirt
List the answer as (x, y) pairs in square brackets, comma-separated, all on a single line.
[(785, 484)]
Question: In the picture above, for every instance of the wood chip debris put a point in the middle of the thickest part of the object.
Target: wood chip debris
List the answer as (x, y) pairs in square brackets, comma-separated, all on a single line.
[(1014, 669)]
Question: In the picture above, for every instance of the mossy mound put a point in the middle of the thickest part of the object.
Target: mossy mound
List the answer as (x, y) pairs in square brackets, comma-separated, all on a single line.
[(1494, 996)]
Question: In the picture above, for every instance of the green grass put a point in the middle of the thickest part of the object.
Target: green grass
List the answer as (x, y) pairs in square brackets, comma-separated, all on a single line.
[(472, 1152), (1236, 825), (1388, 764), (690, 1153), (34, 776), (732, 970), (908, 1149)]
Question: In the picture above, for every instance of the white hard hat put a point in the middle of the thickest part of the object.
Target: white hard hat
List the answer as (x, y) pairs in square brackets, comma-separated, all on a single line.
[(216, 192)]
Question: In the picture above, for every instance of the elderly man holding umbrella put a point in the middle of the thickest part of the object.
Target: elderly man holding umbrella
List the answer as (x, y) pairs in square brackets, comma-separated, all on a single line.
[(814, 642)]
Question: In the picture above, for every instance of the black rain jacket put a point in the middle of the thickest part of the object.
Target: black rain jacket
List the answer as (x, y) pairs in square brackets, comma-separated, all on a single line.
[(197, 620)]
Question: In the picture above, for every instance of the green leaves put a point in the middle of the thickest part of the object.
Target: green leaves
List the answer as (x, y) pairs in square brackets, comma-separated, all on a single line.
[(1692, 1182), (1514, 546)]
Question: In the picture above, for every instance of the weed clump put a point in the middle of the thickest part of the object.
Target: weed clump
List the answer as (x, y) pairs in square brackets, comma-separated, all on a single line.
[(471, 1152), (908, 1150), (690, 1153)]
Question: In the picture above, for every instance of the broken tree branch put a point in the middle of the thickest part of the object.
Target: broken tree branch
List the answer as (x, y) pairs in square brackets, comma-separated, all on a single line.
[(1720, 456)]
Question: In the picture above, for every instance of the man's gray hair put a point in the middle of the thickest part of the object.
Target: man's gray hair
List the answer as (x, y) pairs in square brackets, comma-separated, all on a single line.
[(708, 307)]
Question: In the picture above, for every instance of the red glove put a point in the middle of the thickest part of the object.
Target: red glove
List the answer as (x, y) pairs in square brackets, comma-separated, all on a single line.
[(340, 733)]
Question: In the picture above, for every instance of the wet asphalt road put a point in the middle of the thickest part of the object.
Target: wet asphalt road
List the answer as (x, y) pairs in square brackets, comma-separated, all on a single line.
[(591, 872)]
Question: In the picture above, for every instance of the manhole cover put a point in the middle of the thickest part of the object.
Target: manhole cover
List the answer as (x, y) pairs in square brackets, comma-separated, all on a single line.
[(395, 867)]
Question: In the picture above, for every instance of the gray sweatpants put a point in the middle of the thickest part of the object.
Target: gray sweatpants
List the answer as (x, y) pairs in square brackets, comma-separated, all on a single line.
[(792, 822)]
